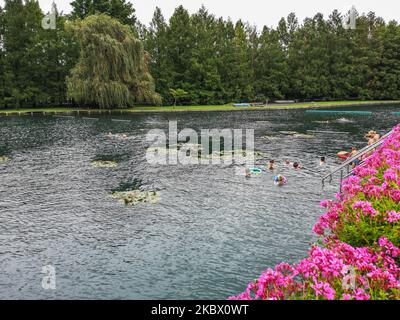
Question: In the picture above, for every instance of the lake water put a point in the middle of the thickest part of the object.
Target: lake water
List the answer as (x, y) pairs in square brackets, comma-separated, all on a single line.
[(210, 234)]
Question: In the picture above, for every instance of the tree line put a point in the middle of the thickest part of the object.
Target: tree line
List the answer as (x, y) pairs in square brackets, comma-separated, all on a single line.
[(206, 59)]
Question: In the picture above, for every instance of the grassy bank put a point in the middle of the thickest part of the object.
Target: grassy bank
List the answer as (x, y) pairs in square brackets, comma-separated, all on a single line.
[(153, 109)]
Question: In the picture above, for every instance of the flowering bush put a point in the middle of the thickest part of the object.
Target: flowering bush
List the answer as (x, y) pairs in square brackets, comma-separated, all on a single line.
[(369, 206), (359, 258)]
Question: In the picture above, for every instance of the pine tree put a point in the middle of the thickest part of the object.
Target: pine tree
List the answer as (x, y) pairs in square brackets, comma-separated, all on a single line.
[(2, 52), (243, 72), (340, 46), (179, 48), (112, 69), (388, 71), (156, 44), (271, 72), (203, 65), (62, 53), (367, 50), (118, 9), (226, 59), (21, 61)]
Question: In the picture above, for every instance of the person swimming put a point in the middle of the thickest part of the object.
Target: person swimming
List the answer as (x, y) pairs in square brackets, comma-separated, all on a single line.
[(297, 166), (287, 162), (248, 174), (280, 180), (271, 165), (322, 161)]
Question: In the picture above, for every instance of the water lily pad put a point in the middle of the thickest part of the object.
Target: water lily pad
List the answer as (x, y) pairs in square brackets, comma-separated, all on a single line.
[(289, 133), (136, 196), (303, 136), (4, 159), (104, 164)]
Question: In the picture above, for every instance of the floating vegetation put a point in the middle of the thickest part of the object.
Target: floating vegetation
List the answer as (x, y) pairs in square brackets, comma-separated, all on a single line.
[(270, 138), (303, 136), (197, 151), (132, 193), (136, 196), (177, 147), (104, 164), (289, 133), (4, 159), (120, 136), (344, 120), (322, 122), (228, 154), (189, 146)]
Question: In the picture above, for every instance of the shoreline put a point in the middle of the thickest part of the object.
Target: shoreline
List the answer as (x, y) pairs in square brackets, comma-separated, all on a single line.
[(186, 109)]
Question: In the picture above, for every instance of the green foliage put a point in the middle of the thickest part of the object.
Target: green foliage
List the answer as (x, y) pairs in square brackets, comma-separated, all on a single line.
[(34, 61), (216, 61), (112, 68), (118, 9), (20, 32), (362, 231), (178, 94)]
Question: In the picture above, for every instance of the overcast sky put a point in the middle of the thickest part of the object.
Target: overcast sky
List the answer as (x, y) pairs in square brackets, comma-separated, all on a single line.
[(257, 12)]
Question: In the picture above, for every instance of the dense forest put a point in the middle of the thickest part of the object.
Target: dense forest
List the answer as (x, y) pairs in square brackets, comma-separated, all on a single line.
[(208, 60)]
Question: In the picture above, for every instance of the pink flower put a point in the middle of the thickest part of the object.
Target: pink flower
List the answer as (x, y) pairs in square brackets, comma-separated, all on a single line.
[(325, 203), (395, 195), (361, 295), (391, 250), (365, 206), (393, 216), (390, 175), (324, 289)]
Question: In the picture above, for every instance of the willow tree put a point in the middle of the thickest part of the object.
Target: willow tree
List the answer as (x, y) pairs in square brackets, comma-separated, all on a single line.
[(112, 69)]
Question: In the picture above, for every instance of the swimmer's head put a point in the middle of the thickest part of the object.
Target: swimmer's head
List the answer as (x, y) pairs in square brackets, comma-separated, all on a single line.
[(323, 159), (296, 165)]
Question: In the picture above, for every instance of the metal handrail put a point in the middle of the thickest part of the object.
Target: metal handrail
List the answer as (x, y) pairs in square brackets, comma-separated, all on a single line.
[(352, 170), (354, 158)]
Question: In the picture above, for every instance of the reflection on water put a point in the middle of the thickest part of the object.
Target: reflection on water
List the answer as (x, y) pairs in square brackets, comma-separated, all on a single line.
[(211, 231)]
